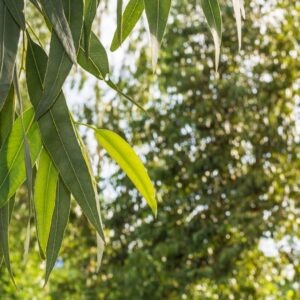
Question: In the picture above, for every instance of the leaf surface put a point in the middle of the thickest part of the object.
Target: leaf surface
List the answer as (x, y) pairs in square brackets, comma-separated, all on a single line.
[(12, 165), (131, 16), (16, 8), (124, 155), (59, 65), (157, 12), (44, 197), (58, 225), (211, 10), (9, 38), (59, 138)]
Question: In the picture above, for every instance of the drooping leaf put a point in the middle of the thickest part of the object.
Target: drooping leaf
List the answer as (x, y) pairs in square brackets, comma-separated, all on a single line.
[(90, 11), (97, 64), (59, 64), (55, 12), (131, 15), (157, 12), (28, 164), (58, 225), (211, 10), (44, 197), (16, 8), (119, 19), (9, 38), (60, 139), (12, 165), (238, 18), (124, 155), (5, 216)]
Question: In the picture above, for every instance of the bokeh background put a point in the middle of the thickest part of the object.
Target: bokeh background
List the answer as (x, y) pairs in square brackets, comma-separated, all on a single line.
[(222, 151)]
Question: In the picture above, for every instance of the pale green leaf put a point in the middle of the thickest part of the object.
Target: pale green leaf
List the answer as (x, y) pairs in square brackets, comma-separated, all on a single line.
[(157, 12), (12, 165), (44, 197), (211, 10), (131, 15), (238, 18)]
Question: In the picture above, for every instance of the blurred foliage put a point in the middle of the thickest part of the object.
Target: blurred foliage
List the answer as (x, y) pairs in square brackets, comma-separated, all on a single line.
[(223, 154)]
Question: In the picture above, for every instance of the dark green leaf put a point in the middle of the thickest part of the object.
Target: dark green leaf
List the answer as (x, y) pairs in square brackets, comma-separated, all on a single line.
[(58, 225), (5, 216), (12, 166), (90, 11), (16, 8), (132, 14), (60, 139), (119, 19), (211, 10), (9, 38), (55, 12), (59, 64), (157, 15), (44, 197)]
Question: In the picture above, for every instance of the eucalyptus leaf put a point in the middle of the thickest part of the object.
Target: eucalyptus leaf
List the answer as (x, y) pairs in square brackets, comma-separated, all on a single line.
[(59, 65), (9, 39), (12, 165), (131, 16), (157, 12), (44, 197), (58, 225), (238, 18), (211, 10), (90, 11), (16, 8), (119, 19), (55, 12), (124, 155), (60, 139)]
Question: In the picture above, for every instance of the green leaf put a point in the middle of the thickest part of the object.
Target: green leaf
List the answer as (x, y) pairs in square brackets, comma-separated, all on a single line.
[(16, 8), (124, 155), (90, 11), (119, 19), (60, 139), (5, 216), (58, 225), (9, 38), (211, 10), (44, 197), (131, 15), (157, 12), (12, 165), (55, 12), (237, 7), (97, 64), (59, 64)]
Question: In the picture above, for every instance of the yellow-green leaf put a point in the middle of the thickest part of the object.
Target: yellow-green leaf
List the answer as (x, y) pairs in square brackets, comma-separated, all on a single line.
[(124, 155), (44, 197)]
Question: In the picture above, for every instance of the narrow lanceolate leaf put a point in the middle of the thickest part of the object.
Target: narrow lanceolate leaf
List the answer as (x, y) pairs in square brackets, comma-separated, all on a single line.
[(238, 18), (242, 3), (211, 10), (157, 12), (58, 225), (131, 15), (119, 19), (28, 164), (60, 139), (9, 38), (5, 213), (59, 64), (44, 197), (97, 64), (12, 165), (90, 11), (124, 155), (16, 8), (55, 12)]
